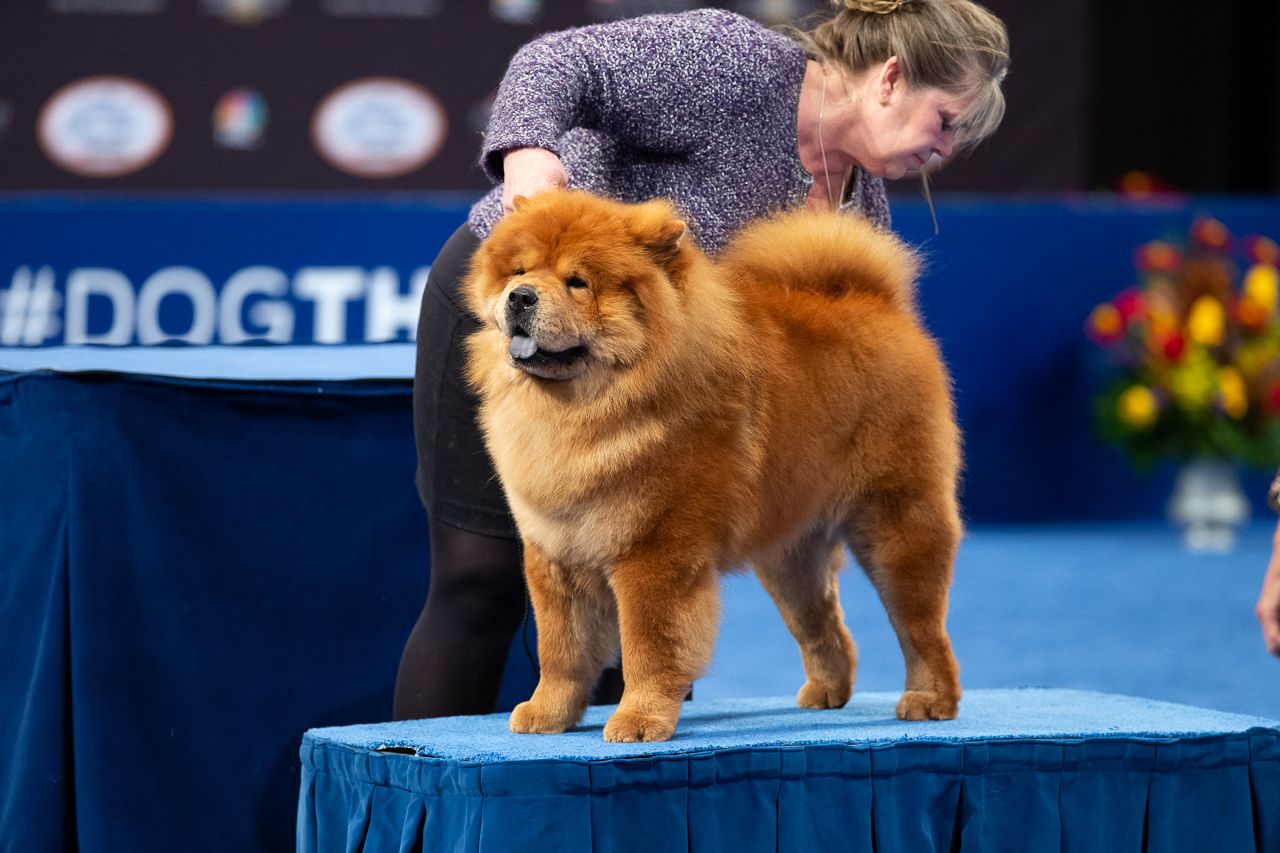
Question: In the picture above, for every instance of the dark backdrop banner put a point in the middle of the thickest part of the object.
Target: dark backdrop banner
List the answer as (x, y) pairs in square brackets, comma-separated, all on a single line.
[(1193, 100), (384, 95)]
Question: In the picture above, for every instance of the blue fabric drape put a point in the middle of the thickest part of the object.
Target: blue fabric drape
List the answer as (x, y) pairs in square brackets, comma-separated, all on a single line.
[(191, 575), (1208, 787), (36, 783)]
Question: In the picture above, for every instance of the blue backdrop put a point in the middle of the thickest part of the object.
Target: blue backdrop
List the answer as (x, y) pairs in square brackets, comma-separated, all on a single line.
[(1009, 285)]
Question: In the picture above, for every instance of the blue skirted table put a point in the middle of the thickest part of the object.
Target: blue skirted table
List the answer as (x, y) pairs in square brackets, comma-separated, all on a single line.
[(1020, 770), (204, 552)]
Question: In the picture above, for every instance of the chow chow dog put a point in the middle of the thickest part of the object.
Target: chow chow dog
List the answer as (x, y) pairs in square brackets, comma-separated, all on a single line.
[(658, 417)]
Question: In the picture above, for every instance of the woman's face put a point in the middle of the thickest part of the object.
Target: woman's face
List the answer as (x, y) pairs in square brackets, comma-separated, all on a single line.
[(906, 126)]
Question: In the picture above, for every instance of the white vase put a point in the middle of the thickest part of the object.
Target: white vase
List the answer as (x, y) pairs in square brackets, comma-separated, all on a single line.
[(1208, 504)]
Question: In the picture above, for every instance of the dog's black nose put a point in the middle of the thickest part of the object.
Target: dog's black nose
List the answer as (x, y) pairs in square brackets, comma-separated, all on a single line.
[(522, 298)]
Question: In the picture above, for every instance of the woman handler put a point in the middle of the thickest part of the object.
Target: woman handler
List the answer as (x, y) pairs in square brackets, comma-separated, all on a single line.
[(730, 121)]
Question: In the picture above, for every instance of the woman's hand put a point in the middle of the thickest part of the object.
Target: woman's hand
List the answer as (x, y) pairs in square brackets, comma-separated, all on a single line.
[(529, 171), (1268, 608)]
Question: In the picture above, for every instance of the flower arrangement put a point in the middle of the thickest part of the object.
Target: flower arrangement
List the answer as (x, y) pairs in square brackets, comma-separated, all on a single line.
[(1197, 346)]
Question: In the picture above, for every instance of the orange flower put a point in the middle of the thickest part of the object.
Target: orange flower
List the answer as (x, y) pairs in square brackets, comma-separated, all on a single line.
[(1262, 250), (1157, 256), (1105, 324), (1209, 233), (1251, 313), (1138, 183)]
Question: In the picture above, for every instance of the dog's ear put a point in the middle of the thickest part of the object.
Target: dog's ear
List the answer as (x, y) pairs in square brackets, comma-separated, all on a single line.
[(659, 231), (519, 202), (666, 244)]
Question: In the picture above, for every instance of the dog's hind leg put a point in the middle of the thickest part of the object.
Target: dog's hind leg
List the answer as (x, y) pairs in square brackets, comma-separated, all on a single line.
[(577, 638), (906, 544), (801, 578), (668, 613)]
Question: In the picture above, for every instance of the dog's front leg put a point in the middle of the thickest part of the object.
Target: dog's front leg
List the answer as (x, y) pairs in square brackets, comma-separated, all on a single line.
[(577, 638), (668, 612)]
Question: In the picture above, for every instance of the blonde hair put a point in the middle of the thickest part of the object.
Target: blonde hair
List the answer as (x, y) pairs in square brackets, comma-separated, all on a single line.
[(956, 46)]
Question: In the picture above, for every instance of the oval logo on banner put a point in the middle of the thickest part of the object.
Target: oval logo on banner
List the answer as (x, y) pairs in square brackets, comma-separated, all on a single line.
[(104, 127), (378, 127), (239, 119)]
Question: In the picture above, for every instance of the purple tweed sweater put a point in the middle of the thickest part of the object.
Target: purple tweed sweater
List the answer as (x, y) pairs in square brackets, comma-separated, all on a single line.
[(699, 107)]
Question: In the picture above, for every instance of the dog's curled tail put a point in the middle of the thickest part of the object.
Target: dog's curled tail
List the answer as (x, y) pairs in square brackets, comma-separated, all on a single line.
[(828, 253)]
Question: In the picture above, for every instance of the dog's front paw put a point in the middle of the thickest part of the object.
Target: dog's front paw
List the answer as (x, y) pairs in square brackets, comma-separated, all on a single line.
[(630, 727), (927, 705), (528, 719), (824, 694)]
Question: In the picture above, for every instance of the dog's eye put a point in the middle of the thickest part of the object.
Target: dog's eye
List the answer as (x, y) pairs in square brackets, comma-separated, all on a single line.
[(518, 271), (574, 282)]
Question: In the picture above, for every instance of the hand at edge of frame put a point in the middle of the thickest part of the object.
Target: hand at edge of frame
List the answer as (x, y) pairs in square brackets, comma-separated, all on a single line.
[(1268, 607)]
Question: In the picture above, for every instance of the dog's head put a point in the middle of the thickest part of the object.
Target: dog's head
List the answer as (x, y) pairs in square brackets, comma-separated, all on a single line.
[(576, 283)]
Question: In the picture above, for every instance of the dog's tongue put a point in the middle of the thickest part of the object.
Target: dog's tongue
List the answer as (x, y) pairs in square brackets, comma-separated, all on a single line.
[(522, 346)]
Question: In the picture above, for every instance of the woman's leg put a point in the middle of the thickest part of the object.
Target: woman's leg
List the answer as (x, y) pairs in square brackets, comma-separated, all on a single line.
[(453, 661), (454, 657)]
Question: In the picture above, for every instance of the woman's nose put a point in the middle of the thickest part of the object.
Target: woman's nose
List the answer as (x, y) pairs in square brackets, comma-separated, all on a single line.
[(946, 143)]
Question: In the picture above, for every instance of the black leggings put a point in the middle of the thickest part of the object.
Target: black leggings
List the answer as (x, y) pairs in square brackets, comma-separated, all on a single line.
[(453, 660), (456, 480)]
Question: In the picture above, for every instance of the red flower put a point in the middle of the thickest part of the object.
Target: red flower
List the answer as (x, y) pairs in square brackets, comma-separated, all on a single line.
[(1209, 233), (1128, 303), (1272, 399), (1174, 346)]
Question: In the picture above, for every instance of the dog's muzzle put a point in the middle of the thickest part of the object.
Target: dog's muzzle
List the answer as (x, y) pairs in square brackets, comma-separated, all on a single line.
[(522, 304)]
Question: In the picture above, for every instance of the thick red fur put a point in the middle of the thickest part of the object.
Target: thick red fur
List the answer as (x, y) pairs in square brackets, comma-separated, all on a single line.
[(691, 416)]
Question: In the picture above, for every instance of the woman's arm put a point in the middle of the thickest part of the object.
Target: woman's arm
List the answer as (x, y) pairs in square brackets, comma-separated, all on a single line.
[(661, 83)]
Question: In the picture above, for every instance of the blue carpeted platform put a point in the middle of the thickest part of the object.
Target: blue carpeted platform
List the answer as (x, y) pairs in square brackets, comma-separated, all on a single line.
[(1029, 769)]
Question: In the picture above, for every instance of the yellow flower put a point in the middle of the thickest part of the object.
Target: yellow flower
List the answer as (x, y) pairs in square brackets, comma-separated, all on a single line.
[(1260, 285), (1253, 355), (1194, 382), (1231, 393), (1138, 407), (1206, 321)]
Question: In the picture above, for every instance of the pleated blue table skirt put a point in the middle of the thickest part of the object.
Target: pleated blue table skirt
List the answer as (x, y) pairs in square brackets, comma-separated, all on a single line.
[(1020, 770)]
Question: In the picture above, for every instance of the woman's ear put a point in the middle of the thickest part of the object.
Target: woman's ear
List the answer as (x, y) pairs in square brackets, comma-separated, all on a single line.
[(889, 78)]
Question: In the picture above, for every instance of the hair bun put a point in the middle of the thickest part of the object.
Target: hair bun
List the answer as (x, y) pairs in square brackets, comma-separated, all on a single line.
[(871, 7)]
